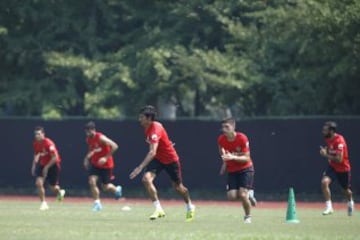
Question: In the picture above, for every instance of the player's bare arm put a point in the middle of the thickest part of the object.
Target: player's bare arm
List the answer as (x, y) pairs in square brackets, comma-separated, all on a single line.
[(335, 158), (149, 156), (244, 157), (113, 145), (223, 166), (35, 161)]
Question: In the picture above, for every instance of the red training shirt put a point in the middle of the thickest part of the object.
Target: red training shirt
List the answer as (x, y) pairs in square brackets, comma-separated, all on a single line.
[(165, 153), (337, 145), (239, 145), (46, 148), (100, 150)]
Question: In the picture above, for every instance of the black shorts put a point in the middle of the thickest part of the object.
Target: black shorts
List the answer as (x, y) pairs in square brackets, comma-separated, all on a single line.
[(104, 174), (242, 179), (52, 176), (172, 169), (343, 178)]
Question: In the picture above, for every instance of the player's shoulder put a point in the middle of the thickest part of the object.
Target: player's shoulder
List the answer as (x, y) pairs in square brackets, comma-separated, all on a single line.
[(48, 142), (221, 138), (241, 135), (339, 138)]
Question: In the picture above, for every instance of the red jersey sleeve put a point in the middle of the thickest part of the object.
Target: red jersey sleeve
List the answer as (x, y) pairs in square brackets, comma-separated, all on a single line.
[(154, 135), (339, 147), (244, 143), (50, 147)]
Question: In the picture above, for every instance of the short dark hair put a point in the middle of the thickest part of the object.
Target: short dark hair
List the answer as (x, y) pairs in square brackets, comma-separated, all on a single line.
[(39, 128), (149, 111), (229, 120), (331, 125), (90, 126)]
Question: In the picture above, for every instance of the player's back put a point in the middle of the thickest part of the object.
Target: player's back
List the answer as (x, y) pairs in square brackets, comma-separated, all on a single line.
[(166, 151)]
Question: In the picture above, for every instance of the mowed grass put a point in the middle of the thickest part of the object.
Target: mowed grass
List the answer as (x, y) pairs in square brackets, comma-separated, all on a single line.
[(75, 220)]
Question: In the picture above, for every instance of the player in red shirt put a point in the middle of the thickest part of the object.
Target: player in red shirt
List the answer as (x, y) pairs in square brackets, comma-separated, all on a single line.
[(235, 153), (336, 153), (161, 156), (46, 166), (100, 164)]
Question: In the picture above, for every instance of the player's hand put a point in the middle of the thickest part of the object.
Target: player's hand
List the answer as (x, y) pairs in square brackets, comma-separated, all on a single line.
[(227, 157), (102, 160), (135, 172), (323, 151), (33, 170), (86, 164), (45, 172), (222, 170)]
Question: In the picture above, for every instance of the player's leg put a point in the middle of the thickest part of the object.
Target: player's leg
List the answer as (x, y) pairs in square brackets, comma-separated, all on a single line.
[(39, 183), (151, 171), (93, 178), (325, 186), (106, 177), (53, 179), (245, 181), (344, 180), (174, 172), (232, 187)]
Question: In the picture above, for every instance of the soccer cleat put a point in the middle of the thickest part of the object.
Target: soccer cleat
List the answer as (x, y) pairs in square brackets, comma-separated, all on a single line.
[(328, 211), (44, 206), (350, 209), (159, 213), (60, 196), (247, 219), (190, 214), (97, 207), (118, 192), (253, 201)]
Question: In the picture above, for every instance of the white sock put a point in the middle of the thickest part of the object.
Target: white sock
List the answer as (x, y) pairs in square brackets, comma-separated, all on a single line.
[(251, 193), (97, 201), (157, 205), (189, 206), (328, 204)]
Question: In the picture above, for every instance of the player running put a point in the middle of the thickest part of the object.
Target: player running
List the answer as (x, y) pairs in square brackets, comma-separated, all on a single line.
[(100, 164), (46, 166), (161, 156), (235, 153), (336, 153)]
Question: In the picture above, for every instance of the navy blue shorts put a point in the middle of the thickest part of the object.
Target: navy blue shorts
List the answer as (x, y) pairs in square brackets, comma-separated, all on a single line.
[(105, 175), (343, 178), (52, 176), (172, 169), (242, 179)]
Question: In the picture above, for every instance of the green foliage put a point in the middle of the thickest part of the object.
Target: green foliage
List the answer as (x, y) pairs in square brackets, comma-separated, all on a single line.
[(106, 58)]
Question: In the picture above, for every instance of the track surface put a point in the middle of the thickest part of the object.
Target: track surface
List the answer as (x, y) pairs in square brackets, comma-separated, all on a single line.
[(138, 201)]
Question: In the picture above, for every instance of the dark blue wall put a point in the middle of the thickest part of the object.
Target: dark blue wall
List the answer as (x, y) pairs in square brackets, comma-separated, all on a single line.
[(285, 152)]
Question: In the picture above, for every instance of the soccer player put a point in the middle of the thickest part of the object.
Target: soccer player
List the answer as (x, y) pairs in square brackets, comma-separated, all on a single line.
[(46, 166), (336, 153), (235, 153), (161, 156), (100, 164)]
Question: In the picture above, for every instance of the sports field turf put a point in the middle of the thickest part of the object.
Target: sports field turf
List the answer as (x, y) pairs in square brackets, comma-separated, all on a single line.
[(73, 219)]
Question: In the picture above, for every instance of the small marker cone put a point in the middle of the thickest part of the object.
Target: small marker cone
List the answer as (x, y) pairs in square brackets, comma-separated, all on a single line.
[(291, 208)]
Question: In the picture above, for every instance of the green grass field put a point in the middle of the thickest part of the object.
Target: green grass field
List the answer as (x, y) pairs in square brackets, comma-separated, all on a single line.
[(74, 220)]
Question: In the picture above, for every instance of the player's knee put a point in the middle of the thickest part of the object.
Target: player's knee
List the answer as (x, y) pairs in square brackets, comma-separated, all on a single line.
[(92, 182), (325, 182), (147, 179), (243, 195), (232, 196), (39, 183), (181, 188)]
